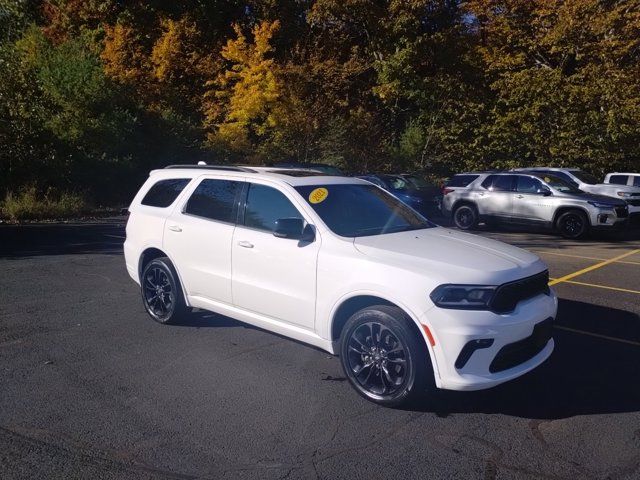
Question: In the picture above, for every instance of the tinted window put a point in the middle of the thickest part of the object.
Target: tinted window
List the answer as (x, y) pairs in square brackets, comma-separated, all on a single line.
[(636, 181), (164, 192), (528, 184), (214, 199), (354, 210), (265, 205), (585, 177), (619, 179), (498, 183), (461, 180), (563, 176), (558, 183)]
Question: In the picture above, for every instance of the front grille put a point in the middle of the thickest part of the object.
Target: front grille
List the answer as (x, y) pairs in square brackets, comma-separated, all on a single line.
[(635, 203), (622, 212), (508, 295), (516, 353)]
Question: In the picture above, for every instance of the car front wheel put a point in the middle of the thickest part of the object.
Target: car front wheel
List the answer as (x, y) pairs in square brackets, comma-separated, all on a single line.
[(383, 358), (161, 291), (573, 224)]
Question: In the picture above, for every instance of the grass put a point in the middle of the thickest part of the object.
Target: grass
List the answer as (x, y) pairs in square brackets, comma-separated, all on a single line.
[(29, 204)]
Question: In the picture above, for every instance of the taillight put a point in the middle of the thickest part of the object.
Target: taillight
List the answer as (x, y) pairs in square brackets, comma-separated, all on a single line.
[(446, 190)]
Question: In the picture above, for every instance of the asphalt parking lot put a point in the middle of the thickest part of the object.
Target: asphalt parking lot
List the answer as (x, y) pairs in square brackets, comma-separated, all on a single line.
[(90, 387)]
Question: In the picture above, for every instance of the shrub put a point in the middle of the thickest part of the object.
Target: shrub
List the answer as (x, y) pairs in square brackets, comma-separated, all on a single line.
[(30, 205)]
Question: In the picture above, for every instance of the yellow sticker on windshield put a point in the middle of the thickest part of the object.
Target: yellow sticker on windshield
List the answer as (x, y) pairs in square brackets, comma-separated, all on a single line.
[(547, 179), (318, 195)]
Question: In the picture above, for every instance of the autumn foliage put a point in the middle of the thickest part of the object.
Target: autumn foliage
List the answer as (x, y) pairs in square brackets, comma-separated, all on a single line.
[(93, 93)]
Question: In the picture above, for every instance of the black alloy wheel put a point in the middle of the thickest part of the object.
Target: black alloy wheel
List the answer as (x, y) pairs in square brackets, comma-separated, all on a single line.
[(465, 217), (573, 224), (383, 358), (161, 293)]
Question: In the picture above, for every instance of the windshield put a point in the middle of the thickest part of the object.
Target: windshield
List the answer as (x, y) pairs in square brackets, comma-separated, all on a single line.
[(396, 182), (557, 183), (585, 177), (417, 181), (354, 210)]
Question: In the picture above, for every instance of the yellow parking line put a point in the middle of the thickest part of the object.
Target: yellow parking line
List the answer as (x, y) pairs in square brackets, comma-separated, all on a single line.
[(593, 267), (573, 282), (545, 252), (597, 335)]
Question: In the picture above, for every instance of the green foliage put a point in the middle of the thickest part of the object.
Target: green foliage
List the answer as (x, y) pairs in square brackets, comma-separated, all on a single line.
[(30, 205), (93, 93)]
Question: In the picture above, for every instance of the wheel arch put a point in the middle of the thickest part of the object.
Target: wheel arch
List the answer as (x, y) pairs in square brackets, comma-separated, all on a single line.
[(461, 202), (560, 210), (151, 253), (350, 304)]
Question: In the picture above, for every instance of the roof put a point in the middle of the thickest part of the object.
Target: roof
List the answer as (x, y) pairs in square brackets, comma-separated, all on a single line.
[(551, 169), (293, 177)]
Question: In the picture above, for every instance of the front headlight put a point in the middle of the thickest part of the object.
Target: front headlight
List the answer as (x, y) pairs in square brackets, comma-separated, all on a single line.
[(607, 206), (466, 297), (624, 194)]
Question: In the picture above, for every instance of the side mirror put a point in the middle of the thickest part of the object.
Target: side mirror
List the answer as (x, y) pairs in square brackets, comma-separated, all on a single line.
[(294, 228), (544, 191)]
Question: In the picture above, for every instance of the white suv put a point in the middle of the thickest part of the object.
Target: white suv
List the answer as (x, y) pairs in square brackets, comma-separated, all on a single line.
[(341, 264)]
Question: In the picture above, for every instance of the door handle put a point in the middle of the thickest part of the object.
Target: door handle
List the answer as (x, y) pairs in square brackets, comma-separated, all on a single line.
[(245, 244), (519, 196), (175, 228)]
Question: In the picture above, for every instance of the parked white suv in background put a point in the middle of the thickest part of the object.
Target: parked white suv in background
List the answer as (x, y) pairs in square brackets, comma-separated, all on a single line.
[(341, 264)]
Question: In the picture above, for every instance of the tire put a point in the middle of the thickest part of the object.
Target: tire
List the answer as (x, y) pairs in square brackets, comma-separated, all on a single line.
[(465, 217), (572, 224), (161, 292), (384, 359)]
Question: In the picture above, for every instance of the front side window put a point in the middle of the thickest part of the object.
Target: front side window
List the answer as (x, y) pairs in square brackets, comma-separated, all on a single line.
[(636, 181), (265, 205), (214, 199), (556, 182), (528, 185), (619, 179), (163, 193), (356, 210)]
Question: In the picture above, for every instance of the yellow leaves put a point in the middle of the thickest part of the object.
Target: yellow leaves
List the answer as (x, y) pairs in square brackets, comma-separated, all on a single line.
[(174, 54), (242, 99), (123, 59)]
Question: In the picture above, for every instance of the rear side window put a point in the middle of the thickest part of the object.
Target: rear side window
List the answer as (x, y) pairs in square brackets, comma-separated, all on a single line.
[(636, 181), (498, 183), (214, 199), (619, 179), (163, 193), (461, 180), (265, 205)]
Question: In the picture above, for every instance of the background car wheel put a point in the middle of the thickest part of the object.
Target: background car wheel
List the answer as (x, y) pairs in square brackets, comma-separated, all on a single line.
[(161, 291), (465, 217), (573, 224), (383, 358)]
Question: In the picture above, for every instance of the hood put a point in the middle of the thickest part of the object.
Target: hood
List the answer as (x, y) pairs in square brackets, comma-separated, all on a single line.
[(594, 197), (452, 257)]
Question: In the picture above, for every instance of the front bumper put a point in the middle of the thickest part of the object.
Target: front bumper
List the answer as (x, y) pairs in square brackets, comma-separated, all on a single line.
[(453, 329)]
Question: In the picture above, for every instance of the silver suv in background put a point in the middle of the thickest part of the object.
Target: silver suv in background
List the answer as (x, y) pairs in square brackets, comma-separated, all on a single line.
[(590, 184), (533, 198)]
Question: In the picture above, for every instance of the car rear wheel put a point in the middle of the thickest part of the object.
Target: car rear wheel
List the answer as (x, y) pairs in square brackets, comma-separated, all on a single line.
[(465, 217), (161, 291), (385, 361), (572, 224)]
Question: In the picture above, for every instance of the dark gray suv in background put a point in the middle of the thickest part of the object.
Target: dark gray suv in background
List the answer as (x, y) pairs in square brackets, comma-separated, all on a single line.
[(532, 198)]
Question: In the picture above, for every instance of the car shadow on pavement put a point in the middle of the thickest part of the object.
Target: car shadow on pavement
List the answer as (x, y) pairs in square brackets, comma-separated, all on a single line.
[(585, 375), (33, 240)]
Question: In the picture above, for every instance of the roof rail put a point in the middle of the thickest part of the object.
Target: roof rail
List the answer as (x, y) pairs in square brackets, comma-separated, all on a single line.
[(231, 168)]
